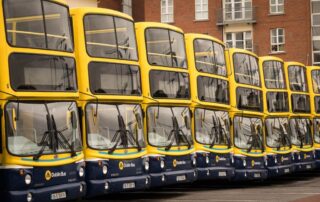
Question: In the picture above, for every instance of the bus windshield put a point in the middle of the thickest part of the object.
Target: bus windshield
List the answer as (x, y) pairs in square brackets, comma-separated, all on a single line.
[(316, 129), (30, 72), (297, 78), (315, 74), (277, 102), (246, 69), (213, 90), (248, 133), (212, 127), (300, 132), (167, 84), (274, 75), (300, 103), (169, 126), (114, 38), (249, 99), (52, 127), (114, 79), (165, 48), (111, 126), (38, 24), (278, 132), (209, 57)]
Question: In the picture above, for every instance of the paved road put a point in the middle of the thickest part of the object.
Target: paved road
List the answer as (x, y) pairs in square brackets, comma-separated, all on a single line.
[(298, 187)]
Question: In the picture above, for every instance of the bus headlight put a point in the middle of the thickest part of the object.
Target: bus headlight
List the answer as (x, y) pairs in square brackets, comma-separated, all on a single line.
[(29, 197), (194, 160), (244, 162), (266, 161), (27, 179), (146, 165), (275, 160), (106, 186), (162, 164), (292, 155), (104, 169), (299, 157), (207, 160), (81, 172), (314, 154), (232, 159)]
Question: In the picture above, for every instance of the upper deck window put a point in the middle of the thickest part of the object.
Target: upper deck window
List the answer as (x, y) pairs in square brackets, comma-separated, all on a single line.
[(297, 78), (114, 79), (209, 57), (213, 90), (165, 48), (274, 75), (169, 85), (300, 103), (114, 38), (38, 24), (249, 99), (42, 73), (246, 69), (316, 81)]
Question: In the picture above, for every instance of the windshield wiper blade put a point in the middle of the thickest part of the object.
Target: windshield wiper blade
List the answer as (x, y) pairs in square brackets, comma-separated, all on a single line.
[(300, 136), (176, 133), (256, 141), (52, 138), (214, 132), (122, 134)]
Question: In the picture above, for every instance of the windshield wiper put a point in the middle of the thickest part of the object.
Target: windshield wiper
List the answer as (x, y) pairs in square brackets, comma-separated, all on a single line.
[(300, 136), (176, 133), (256, 141), (52, 138), (122, 134), (214, 132), (284, 138)]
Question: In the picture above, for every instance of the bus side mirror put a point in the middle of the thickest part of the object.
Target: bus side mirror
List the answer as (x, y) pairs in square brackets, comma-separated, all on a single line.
[(14, 119), (139, 120), (72, 119), (187, 122)]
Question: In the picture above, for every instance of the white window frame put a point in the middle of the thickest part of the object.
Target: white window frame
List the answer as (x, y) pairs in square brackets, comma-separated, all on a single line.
[(165, 16), (127, 7), (277, 6), (245, 11), (277, 43), (204, 9), (314, 38), (233, 40)]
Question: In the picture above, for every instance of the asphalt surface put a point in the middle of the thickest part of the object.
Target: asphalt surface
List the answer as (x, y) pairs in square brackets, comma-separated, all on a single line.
[(296, 187)]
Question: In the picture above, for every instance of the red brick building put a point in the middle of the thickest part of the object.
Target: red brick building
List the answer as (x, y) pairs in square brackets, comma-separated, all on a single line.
[(289, 29)]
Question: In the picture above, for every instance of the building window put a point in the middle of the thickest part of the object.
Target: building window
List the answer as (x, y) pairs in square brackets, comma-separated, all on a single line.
[(315, 24), (276, 6), (167, 11), (277, 40), (239, 40), (201, 9), (237, 9), (127, 7)]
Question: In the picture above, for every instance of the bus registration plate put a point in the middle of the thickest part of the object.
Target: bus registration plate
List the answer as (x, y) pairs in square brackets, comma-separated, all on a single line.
[(256, 175), (181, 178), (222, 174), (57, 196), (308, 166), (129, 185), (286, 170)]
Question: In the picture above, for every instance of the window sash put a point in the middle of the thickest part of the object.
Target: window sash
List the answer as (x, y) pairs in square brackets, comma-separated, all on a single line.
[(246, 40), (276, 6), (201, 10), (167, 11), (277, 40)]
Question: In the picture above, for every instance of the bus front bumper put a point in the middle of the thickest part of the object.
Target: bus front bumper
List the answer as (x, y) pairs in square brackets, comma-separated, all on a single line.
[(211, 173), (64, 192), (250, 174), (275, 171), (303, 166), (116, 185), (173, 177)]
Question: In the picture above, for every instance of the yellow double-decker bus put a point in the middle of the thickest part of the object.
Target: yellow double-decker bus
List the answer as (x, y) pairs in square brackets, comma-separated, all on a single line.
[(313, 77), (276, 120), (210, 107), (300, 116), (246, 114), (41, 151), (110, 99), (166, 91)]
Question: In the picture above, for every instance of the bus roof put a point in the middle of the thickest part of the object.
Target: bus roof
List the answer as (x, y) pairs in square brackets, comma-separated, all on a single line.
[(193, 36), (101, 11), (239, 50), (267, 58), (145, 25)]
